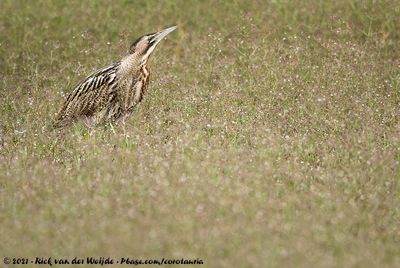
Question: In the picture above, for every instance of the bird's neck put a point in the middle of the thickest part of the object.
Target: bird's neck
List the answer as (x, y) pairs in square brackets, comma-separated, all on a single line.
[(131, 64)]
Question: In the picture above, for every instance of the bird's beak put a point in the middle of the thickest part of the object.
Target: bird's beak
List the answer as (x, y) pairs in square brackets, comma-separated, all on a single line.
[(161, 34)]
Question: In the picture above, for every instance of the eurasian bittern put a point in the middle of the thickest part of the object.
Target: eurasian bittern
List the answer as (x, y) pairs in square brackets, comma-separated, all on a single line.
[(111, 94)]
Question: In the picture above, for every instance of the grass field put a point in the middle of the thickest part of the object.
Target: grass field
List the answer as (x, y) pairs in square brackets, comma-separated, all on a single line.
[(270, 135)]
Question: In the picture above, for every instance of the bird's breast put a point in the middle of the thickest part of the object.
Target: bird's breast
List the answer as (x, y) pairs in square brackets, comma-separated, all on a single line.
[(135, 87)]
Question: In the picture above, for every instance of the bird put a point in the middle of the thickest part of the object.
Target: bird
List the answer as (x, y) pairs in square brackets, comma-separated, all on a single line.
[(109, 95)]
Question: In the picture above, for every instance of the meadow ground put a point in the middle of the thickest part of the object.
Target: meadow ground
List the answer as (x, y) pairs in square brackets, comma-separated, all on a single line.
[(270, 136)]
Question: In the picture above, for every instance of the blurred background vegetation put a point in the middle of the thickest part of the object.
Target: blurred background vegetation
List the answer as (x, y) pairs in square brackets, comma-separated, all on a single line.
[(269, 136)]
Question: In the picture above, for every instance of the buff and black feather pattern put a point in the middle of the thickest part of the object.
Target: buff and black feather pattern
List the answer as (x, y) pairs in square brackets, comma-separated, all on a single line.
[(110, 95), (104, 97)]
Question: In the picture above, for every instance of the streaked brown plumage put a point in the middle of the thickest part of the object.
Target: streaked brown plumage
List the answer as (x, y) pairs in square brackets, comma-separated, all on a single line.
[(111, 94)]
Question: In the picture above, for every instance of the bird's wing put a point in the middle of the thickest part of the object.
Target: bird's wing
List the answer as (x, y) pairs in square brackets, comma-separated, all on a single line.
[(90, 94)]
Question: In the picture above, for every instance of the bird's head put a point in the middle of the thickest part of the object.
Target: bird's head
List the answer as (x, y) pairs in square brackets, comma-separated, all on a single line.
[(144, 45)]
